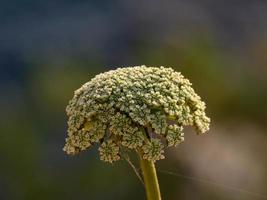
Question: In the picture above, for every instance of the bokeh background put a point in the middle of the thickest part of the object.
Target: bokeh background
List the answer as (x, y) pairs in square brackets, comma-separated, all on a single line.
[(50, 48)]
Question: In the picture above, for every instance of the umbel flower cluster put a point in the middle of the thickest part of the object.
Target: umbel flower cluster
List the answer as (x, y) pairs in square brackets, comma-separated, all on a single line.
[(139, 108)]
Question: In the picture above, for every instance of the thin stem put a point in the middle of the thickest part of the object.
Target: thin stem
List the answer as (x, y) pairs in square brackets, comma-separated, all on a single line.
[(150, 179), (127, 158)]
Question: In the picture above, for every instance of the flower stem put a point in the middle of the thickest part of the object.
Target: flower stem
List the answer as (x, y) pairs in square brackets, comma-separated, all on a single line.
[(150, 179)]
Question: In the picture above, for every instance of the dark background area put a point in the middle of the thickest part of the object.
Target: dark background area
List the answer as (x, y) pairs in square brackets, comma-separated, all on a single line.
[(49, 48)]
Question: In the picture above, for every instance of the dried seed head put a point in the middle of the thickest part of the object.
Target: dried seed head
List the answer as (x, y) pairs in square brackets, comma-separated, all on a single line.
[(117, 108)]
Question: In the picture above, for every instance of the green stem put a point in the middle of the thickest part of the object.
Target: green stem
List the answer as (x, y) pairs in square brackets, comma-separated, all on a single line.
[(150, 179)]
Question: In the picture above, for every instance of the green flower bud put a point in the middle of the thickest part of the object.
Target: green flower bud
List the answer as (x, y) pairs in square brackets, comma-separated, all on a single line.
[(109, 151), (153, 150)]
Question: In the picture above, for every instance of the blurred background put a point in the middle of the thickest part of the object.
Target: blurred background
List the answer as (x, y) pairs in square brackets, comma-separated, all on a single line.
[(50, 48)]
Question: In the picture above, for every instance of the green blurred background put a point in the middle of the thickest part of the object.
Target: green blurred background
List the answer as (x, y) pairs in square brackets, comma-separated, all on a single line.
[(50, 48)]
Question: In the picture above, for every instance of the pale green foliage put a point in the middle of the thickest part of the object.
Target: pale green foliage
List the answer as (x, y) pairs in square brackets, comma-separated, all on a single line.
[(140, 108)]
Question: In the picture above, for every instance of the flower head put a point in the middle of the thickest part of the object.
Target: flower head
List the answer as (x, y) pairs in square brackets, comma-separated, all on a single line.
[(140, 108)]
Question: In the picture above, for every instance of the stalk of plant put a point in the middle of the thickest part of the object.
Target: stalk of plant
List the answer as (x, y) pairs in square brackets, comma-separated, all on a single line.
[(142, 109), (150, 179)]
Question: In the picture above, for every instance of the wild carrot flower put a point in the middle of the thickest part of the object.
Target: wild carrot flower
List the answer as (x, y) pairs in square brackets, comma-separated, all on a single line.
[(139, 108)]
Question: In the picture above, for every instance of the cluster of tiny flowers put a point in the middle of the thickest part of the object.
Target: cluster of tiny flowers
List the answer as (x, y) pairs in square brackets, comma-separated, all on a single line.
[(109, 151), (139, 108)]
